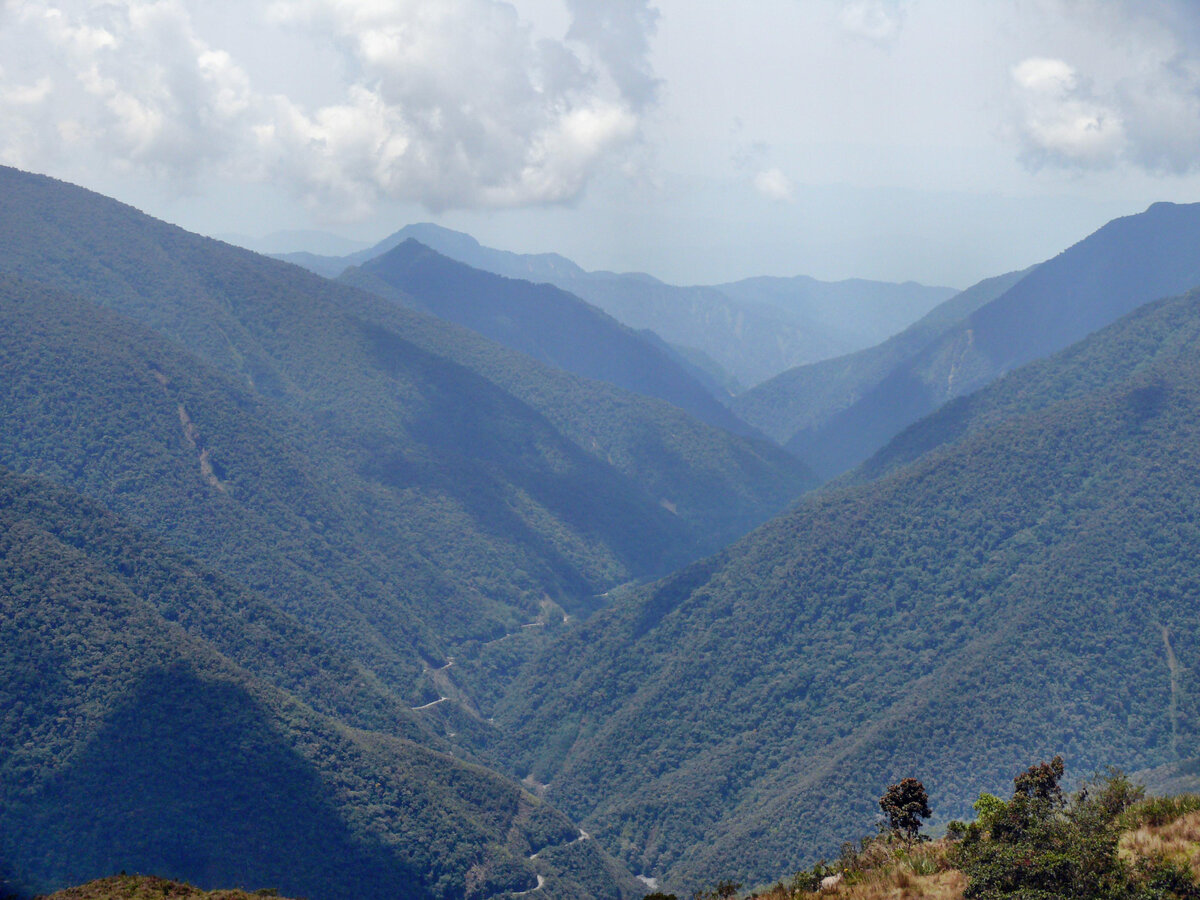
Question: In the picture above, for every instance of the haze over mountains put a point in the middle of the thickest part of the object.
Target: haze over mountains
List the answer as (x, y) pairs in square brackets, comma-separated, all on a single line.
[(1126, 263), (539, 319), (432, 581), (750, 329)]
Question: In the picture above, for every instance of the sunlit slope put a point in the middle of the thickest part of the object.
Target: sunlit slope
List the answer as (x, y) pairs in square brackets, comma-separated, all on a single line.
[(1030, 589), (399, 542), (413, 399)]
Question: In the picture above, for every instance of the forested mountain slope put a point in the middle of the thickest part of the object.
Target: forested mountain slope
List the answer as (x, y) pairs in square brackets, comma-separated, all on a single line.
[(803, 399), (541, 320), (371, 489), (1128, 262), (396, 394), (1028, 590), (159, 717), (397, 541), (756, 330)]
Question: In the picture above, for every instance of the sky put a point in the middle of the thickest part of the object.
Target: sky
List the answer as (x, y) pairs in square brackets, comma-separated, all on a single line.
[(702, 141)]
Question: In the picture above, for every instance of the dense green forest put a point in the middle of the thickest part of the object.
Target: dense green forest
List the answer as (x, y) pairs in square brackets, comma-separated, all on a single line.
[(304, 588), (159, 718), (344, 467), (1027, 590), (396, 451)]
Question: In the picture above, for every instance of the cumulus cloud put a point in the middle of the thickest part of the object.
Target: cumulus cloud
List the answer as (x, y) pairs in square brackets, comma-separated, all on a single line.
[(1139, 105), (129, 80), (773, 184), (1060, 122), (878, 21), (618, 32), (451, 104)]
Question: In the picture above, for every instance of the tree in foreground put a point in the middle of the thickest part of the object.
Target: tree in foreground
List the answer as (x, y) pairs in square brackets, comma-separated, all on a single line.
[(906, 804), (1044, 845)]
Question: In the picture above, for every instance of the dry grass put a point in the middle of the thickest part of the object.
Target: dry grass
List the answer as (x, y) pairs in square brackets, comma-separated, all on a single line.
[(892, 872), (146, 887), (901, 884), (1177, 842)]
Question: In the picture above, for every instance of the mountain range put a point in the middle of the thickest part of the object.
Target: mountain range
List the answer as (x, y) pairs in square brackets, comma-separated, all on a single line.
[(364, 472), (979, 337), (740, 333), (1024, 587), (541, 320), (431, 581)]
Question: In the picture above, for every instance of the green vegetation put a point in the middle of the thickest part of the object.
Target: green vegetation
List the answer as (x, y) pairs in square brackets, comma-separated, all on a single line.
[(905, 803), (541, 320), (1103, 841), (151, 719), (802, 400), (1028, 589), (151, 887), (360, 469)]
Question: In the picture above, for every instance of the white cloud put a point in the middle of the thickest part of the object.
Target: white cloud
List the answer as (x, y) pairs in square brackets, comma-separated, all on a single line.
[(1059, 122), (879, 21), (451, 104), (774, 185), (1139, 104)]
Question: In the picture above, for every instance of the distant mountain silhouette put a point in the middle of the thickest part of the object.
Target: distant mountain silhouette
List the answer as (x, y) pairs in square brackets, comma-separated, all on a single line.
[(752, 329), (539, 319), (804, 398), (1128, 262)]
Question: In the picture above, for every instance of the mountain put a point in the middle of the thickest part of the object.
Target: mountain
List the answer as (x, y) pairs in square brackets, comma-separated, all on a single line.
[(295, 511), (1128, 262), (402, 540), (803, 399), (846, 315), (147, 726), (754, 330), (495, 508), (1027, 589), (538, 268), (541, 320)]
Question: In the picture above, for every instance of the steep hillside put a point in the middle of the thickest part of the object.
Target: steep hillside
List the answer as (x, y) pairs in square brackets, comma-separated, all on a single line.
[(146, 727), (803, 399), (758, 329), (1111, 356), (1028, 590), (401, 542), (475, 472), (541, 320), (846, 315), (1128, 262)]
